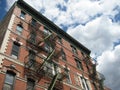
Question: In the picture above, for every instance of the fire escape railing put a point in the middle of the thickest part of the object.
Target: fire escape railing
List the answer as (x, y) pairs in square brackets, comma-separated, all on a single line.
[(35, 67)]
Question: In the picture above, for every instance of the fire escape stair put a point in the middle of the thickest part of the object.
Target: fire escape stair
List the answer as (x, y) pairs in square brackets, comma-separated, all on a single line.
[(44, 39), (52, 84), (45, 60)]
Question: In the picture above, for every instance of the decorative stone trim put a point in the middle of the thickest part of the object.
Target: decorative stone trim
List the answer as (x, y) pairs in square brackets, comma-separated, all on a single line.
[(6, 39)]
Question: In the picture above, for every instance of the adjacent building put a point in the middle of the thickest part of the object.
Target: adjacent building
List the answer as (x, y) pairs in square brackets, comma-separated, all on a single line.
[(35, 54)]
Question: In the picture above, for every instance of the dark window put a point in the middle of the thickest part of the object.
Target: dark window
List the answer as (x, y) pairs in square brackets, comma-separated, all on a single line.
[(47, 32), (19, 29), (33, 37), (68, 80), (9, 81), (48, 47), (50, 68), (33, 22), (22, 15), (55, 88), (59, 40), (30, 84), (15, 49), (74, 50), (63, 55), (79, 64), (32, 56)]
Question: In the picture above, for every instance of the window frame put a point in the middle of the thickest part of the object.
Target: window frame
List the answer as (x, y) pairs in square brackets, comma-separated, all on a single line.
[(48, 47), (32, 58), (79, 64), (33, 22), (19, 29), (14, 52), (74, 50), (28, 84), (84, 83), (63, 55), (22, 15), (10, 73), (50, 68), (68, 77), (33, 36), (47, 31), (60, 40)]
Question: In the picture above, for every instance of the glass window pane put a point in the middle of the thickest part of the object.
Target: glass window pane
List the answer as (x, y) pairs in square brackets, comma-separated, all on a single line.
[(7, 87), (63, 55), (74, 50), (79, 64), (15, 49), (22, 15), (9, 81), (19, 28), (9, 78), (33, 22), (33, 37), (30, 84)]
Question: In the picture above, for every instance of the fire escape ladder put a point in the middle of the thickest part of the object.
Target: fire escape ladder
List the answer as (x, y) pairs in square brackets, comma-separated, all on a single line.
[(52, 84), (45, 60), (44, 39)]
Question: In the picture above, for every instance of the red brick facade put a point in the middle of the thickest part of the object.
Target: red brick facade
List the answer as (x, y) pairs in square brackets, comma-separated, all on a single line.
[(42, 82)]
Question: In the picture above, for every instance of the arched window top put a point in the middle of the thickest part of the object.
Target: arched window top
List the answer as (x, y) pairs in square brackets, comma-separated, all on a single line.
[(20, 25), (11, 72), (19, 28)]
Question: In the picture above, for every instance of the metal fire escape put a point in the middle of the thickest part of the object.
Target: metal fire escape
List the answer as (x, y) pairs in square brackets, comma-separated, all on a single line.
[(34, 67), (91, 67), (93, 74)]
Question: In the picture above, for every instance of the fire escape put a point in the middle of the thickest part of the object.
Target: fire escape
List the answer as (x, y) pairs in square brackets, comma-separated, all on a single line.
[(35, 64), (93, 74), (91, 69)]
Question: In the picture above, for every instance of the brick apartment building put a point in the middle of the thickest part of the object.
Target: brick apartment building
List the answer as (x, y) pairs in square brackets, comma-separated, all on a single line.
[(35, 54)]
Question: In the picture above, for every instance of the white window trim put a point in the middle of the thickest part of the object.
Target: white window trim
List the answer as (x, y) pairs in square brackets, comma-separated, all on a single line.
[(87, 82)]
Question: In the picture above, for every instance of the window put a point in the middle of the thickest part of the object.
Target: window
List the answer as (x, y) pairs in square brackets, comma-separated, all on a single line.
[(48, 47), (50, 68), (22, 15), (84, 83), (47, 32), (59, 40), (9, 81), (68, 79), (63, 55), (31, 58), (19, 29), (74, 50), (33, 37), (78, 64), (33, 22), (30, 84), (15, 49)]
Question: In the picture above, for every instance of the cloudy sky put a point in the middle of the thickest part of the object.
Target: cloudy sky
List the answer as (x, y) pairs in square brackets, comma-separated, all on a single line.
[(94, 23)]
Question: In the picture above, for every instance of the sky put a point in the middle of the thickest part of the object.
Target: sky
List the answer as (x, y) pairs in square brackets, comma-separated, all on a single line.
[(94, 23)]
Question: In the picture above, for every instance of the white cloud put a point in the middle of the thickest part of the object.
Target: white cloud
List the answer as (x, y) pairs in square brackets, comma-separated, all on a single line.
[(9, 3), (109, 64), (98, 35)]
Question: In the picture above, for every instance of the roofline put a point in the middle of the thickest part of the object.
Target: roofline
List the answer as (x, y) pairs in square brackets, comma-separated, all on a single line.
[(37, 15)]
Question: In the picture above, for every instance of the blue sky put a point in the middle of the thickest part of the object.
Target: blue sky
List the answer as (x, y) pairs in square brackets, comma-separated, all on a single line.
[(94, 23), (2, 8)]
